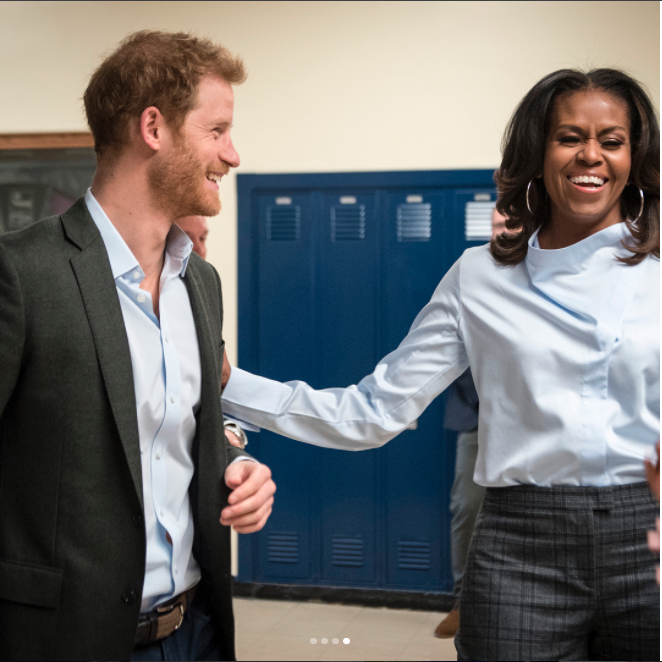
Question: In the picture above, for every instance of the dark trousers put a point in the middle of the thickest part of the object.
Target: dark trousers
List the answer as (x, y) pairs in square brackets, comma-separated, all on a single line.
[(194, 640), (561, 573)]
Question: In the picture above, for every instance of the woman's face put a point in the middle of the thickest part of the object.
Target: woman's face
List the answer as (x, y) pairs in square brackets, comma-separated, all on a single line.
[(587, 160)]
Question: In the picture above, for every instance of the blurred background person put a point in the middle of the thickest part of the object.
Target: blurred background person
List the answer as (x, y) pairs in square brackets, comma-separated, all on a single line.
[(466, 495), (197, 229)]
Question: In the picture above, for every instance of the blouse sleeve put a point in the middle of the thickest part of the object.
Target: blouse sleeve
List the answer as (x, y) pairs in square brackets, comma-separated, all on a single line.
[(381, 405)]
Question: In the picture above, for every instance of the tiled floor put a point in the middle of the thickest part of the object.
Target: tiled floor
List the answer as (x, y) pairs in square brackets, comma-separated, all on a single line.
[(281, 630)]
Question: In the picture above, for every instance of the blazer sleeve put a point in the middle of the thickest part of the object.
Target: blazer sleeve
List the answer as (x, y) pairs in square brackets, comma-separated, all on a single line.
[(12, 327)]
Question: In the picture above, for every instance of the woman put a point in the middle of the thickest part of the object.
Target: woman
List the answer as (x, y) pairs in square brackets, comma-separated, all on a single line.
[(559, 322)]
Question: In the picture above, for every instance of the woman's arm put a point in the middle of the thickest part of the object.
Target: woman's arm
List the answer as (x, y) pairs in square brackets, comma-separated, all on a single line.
[(381, 405)]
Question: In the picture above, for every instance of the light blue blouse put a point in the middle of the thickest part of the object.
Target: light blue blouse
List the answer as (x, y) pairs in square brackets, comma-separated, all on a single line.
[(565, 352)]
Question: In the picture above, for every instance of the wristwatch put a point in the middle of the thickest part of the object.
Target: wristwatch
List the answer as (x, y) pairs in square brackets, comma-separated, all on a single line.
[(233, 427)]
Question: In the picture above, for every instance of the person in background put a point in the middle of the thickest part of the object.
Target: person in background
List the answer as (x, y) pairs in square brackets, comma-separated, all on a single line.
[(560, 325), (197, 229), (466, 495)]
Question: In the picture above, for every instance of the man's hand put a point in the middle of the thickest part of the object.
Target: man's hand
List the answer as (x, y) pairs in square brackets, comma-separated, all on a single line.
[(225, 372), (252, 496)]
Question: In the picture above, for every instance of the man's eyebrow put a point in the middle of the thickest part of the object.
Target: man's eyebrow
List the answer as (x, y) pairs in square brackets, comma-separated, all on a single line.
[(578, 129)]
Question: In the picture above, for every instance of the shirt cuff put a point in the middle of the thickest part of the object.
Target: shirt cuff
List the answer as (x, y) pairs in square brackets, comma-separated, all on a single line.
[(243, 458), (244, 387), (247, 427)]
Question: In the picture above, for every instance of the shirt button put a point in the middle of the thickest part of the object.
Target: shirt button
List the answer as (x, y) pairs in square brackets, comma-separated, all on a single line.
[(161, 513), (176, 570), (167, 339), (159, 454), (141, 298), (172, 398), (136, 275)]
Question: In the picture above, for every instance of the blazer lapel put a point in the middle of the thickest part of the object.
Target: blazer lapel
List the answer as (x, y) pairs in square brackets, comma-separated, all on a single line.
[(210, 420), (97, 287)]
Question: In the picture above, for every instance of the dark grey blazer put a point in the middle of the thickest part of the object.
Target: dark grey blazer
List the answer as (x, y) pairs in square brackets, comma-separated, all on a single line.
[(72, 536)]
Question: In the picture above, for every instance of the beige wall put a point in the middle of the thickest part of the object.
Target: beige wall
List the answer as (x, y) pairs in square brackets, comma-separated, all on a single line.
[(334, 85)]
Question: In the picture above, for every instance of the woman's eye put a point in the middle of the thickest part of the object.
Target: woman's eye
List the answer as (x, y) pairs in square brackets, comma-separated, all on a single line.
[(569, 140), (612, 144)]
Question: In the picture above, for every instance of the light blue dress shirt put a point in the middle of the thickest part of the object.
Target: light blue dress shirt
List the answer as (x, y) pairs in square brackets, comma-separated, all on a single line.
[(565, 353), (166, 372)]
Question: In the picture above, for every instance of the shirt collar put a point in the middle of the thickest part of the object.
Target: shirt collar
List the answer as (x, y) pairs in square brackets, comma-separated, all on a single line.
[(122, 260), (574, 258), (586, 277)]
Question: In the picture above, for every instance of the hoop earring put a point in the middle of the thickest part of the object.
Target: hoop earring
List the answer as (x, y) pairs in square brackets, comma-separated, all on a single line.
[(641, 207), (528, 204)]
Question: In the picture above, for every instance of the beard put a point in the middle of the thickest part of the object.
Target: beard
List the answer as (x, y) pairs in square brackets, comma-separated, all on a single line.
[(177, 184)]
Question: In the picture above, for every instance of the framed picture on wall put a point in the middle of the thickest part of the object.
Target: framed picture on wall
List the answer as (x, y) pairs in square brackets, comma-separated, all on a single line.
[(42, 175)]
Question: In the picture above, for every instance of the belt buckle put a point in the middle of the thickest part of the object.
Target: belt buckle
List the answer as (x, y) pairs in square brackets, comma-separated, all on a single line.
[(167, 609)]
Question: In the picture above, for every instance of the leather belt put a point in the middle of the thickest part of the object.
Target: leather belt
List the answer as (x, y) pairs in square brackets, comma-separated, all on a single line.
[(164, 620)]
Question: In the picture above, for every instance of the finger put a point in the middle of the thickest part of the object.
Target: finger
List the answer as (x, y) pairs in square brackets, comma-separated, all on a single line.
[(250, 504), (254, 527), (236, 474), (257, 527), (251, 518), (254, 477)]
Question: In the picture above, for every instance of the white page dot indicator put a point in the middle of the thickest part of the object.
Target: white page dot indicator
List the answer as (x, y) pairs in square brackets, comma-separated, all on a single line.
[(345, 640), (335, 641), (313, 640), (325, 640)]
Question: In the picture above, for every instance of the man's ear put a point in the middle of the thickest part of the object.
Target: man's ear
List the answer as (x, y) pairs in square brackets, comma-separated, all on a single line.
[(152, 125)]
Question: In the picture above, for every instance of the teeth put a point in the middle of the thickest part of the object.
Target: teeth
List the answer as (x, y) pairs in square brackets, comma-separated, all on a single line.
[(214, 178), (587, 180)]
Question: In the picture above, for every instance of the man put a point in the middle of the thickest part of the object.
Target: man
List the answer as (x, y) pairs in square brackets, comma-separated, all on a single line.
[(112, 473)]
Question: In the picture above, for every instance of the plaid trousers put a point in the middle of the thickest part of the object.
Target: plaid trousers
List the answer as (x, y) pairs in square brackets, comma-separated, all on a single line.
[(561, 573)]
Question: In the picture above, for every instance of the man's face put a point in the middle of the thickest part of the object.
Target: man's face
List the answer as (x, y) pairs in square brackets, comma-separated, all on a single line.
[(197, 229), (185, 175)]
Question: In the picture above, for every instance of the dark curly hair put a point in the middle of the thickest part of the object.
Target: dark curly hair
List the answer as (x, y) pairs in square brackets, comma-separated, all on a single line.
[(523, 150), (152, 68)]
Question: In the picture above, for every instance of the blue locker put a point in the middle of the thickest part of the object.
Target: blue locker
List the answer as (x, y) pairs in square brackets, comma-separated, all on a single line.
[(332, 271), (285, 351), (416, 254), (346, 340)]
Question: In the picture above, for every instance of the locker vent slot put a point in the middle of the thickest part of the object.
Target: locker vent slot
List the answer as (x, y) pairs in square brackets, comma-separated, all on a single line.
[(283, 547), (283, 223), (414, 222), (413, 555), (348, 223), (347, 552), (478, 221)]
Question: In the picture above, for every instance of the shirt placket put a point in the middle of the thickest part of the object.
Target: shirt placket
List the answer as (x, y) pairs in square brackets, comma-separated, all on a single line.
[(161, 454)]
